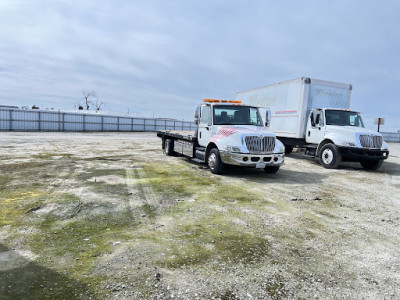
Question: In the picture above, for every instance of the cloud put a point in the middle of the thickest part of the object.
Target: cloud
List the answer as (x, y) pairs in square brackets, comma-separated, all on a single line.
[(165, 56)]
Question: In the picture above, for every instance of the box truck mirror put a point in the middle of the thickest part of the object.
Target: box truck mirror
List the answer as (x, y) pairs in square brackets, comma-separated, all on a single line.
[(312, 119), (317, 119), (267, 117)]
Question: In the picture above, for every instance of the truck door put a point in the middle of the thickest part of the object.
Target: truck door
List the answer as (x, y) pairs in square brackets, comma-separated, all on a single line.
[(315, 126), (204, 133)]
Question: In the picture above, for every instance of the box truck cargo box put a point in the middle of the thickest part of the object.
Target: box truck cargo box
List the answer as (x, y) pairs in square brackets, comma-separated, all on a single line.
[(291, 101)]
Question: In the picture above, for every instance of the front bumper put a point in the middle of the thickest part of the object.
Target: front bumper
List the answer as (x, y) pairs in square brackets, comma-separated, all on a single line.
[(252, 160), (364, 153)]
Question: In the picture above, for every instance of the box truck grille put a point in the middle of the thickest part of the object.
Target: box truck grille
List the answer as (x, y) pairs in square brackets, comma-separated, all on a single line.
[(371, 141), (255, 144)]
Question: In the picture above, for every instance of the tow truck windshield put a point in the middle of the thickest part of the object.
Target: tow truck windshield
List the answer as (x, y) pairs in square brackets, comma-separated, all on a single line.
[(343, 118), (236, 115)]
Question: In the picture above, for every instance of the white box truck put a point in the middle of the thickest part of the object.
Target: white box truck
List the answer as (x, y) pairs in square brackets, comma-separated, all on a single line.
[(315, 115), (227, 133)]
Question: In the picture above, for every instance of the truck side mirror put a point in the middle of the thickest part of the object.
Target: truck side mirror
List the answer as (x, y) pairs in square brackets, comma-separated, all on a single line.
[(317, 119), (267, 117), (312, 119), (196, 116)]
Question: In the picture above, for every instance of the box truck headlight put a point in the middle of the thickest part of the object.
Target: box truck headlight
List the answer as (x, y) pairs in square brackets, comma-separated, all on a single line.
[(279, 147), (384, 146), (349, 144), (232, 149)]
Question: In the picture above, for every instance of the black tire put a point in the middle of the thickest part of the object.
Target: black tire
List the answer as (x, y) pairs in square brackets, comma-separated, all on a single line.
[(214, 162), (330, 156), (271, 169), (288, 149), (371, 164), (169, 147)]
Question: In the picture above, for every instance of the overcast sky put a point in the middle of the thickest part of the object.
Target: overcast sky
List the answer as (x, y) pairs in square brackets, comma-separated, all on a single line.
[(162, 57)]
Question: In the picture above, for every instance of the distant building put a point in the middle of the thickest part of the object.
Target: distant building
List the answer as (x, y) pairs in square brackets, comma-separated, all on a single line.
[(9, 107)]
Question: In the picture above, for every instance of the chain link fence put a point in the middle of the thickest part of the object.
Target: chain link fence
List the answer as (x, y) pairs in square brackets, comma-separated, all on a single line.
[(391, 137), (43, 120)]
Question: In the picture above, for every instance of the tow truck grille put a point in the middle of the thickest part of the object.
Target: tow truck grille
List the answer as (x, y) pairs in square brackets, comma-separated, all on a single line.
[(371, 141), (255, 144)]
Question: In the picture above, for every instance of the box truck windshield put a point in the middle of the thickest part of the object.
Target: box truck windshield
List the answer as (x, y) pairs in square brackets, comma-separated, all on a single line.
[(343, 118), (236, 115)]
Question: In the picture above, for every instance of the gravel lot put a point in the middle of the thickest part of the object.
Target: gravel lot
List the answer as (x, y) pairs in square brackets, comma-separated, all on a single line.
[(109, 216)]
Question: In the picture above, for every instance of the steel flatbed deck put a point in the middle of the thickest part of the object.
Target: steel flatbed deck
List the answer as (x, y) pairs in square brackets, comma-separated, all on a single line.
[(182, 135)]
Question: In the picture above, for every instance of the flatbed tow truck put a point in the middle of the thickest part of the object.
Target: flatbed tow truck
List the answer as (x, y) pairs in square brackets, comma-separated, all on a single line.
[(227, 133)]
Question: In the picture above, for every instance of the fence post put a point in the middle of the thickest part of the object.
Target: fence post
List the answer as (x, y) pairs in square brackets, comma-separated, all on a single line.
[(11, 119), (39, 120), (63, 121), (131, 124), (102, 123), (84, 122), (59, 120), (117, 123)]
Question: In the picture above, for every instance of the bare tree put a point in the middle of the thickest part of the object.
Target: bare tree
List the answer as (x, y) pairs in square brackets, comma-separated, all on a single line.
[(87, 95), (98, 104)]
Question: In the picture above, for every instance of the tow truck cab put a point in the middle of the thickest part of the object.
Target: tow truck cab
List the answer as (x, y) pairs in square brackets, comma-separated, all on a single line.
[(229, 133)]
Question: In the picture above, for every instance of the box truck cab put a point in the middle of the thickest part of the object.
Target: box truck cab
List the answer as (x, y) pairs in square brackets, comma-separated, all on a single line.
[(315, 115), (227, 133), (335, 135)]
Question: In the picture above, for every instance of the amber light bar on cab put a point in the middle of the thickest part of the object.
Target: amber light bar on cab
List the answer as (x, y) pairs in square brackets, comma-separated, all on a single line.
[(222, 101)]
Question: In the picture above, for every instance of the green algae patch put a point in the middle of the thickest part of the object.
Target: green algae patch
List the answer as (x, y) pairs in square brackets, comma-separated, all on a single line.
[(15, 204), (67, 198), (209, 238), (199, 245), (225, 193), (77, 244), (176, 180), (37, 282), (94, 172), (4, 181), (149, 210)]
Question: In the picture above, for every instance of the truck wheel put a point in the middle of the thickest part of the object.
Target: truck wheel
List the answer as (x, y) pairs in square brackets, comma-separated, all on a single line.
[(214, 162), (169, 147), (330, 156), (288, 149), (371, 164), (271, 169)]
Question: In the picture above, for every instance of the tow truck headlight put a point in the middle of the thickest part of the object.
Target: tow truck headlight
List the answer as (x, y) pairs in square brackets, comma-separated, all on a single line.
[(232, 149), (349, 144)]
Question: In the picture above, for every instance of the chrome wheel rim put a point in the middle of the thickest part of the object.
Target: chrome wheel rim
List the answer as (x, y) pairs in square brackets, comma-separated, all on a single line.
[(212, 160), (327, 156)]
